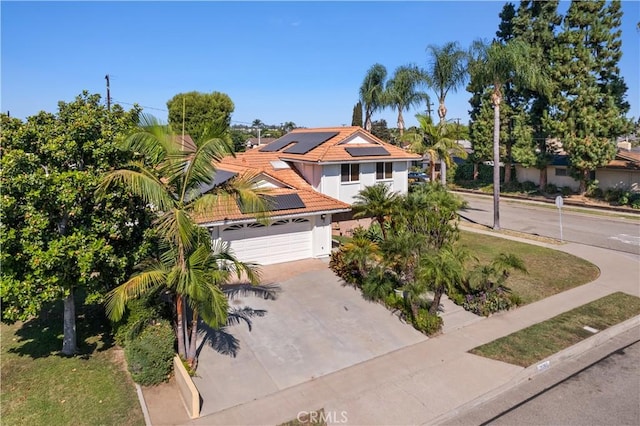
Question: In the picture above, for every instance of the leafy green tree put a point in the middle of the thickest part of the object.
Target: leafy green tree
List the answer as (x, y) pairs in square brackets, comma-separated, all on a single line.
[(201, 113), (402, 91), (290, 125), (56, 237), (171, 177), (372, 92), (380, 130), (446, 71), (497, 64), (356, 116), (591, 102)]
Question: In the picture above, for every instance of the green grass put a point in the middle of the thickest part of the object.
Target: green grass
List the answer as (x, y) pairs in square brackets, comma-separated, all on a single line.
[(40, 387), (550, 271), (537, 342)]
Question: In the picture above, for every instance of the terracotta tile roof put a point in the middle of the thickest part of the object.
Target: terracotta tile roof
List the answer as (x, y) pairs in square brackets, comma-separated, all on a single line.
[(314, 202)]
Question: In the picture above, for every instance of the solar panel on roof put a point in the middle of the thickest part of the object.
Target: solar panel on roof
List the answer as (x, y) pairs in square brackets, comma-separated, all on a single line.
[(302, 142), (309, 141), (367, 151), (222, 176), (279, 202)]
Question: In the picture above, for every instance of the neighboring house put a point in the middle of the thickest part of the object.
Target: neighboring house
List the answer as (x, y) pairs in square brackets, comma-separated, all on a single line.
[(623, 172), (258, 142), (313, 174)]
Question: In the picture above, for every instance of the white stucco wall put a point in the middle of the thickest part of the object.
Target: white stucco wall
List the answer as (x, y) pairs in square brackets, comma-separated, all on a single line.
[(622, 179), (525, 174)]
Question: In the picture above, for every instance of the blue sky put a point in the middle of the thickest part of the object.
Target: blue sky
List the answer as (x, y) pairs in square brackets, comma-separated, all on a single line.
[(278, 61)]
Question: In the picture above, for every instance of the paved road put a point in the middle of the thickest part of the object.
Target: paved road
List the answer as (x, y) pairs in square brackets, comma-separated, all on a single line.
[(607, 393), (616, 233)]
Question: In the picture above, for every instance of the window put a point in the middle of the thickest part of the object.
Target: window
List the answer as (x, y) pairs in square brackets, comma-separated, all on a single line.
[(350, 172), (384, 171), (561, 172)]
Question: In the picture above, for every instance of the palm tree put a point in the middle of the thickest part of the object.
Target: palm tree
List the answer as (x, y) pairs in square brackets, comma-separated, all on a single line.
[(436, 140), (402, 91), (442, 272), (372, 92), (169, 176), (446, 71), (494, 275), (376, 201), (497, 64)]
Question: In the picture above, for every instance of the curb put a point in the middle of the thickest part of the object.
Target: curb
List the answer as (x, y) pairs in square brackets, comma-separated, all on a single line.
[(532, 371), (143, 406), (567, 202)]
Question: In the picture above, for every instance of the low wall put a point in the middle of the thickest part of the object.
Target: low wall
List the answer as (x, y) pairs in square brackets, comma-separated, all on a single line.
[(188, 391)]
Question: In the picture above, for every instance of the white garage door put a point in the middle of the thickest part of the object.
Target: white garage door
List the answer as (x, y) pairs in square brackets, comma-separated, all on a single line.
[(281, 241)]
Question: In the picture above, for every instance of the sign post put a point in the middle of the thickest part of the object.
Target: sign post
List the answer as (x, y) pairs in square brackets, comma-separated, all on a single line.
[(559, 204)]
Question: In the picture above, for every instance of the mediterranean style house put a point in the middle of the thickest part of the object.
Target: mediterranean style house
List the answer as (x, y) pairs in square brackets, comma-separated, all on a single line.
[(312, 175)]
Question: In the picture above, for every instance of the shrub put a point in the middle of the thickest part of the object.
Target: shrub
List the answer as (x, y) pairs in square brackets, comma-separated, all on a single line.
[(566, 190), (551, 189), (394, 301), (138, 315), (513, 186), (529, 186), (487, 303), (456, 297), (635, 204), (342, 269), (612, 195), (427, 323), (150, 355), (623, 200)]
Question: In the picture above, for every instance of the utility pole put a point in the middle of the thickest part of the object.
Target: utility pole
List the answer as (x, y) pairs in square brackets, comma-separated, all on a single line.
[(429, 105), (106, 77)]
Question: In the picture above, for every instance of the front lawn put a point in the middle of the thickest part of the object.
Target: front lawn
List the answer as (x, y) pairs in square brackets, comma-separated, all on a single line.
[(550, 271), (535, 343), (40, 387)]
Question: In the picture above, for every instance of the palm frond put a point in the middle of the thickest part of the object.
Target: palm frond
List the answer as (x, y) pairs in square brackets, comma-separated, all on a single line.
[(143, 282), (141, 183)]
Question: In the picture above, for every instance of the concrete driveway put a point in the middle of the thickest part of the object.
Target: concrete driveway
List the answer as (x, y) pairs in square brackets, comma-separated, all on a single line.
[(316, 326)]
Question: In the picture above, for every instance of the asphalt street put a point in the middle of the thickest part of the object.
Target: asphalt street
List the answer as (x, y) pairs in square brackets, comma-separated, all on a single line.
[(598, 387), (619, 232)]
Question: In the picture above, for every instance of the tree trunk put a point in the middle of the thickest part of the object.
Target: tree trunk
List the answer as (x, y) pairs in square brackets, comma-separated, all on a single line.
[(507, 165), (437, 295), (400, 122), (69, 346), (476, 172), (443, 173), (432, 167), (367, 119), (583, 182), (496, 161), (180, 326), (192, 360), (543, 178), (442, 110)]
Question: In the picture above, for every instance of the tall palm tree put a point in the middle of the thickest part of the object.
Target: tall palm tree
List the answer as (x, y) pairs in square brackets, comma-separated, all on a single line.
[(496, 65), (169, 176), (446, 71), (372, 92), (376, 201), (402, 91)]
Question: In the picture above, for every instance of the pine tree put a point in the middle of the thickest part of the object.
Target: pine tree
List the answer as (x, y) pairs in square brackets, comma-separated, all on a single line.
[(536, 23), (591, 101)]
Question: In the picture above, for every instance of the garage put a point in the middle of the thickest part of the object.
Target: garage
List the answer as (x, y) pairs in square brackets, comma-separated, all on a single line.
[(280, 241)]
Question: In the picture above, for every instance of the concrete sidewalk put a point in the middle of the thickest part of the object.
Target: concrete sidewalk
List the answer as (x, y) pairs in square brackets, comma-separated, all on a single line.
[(422, 383)]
